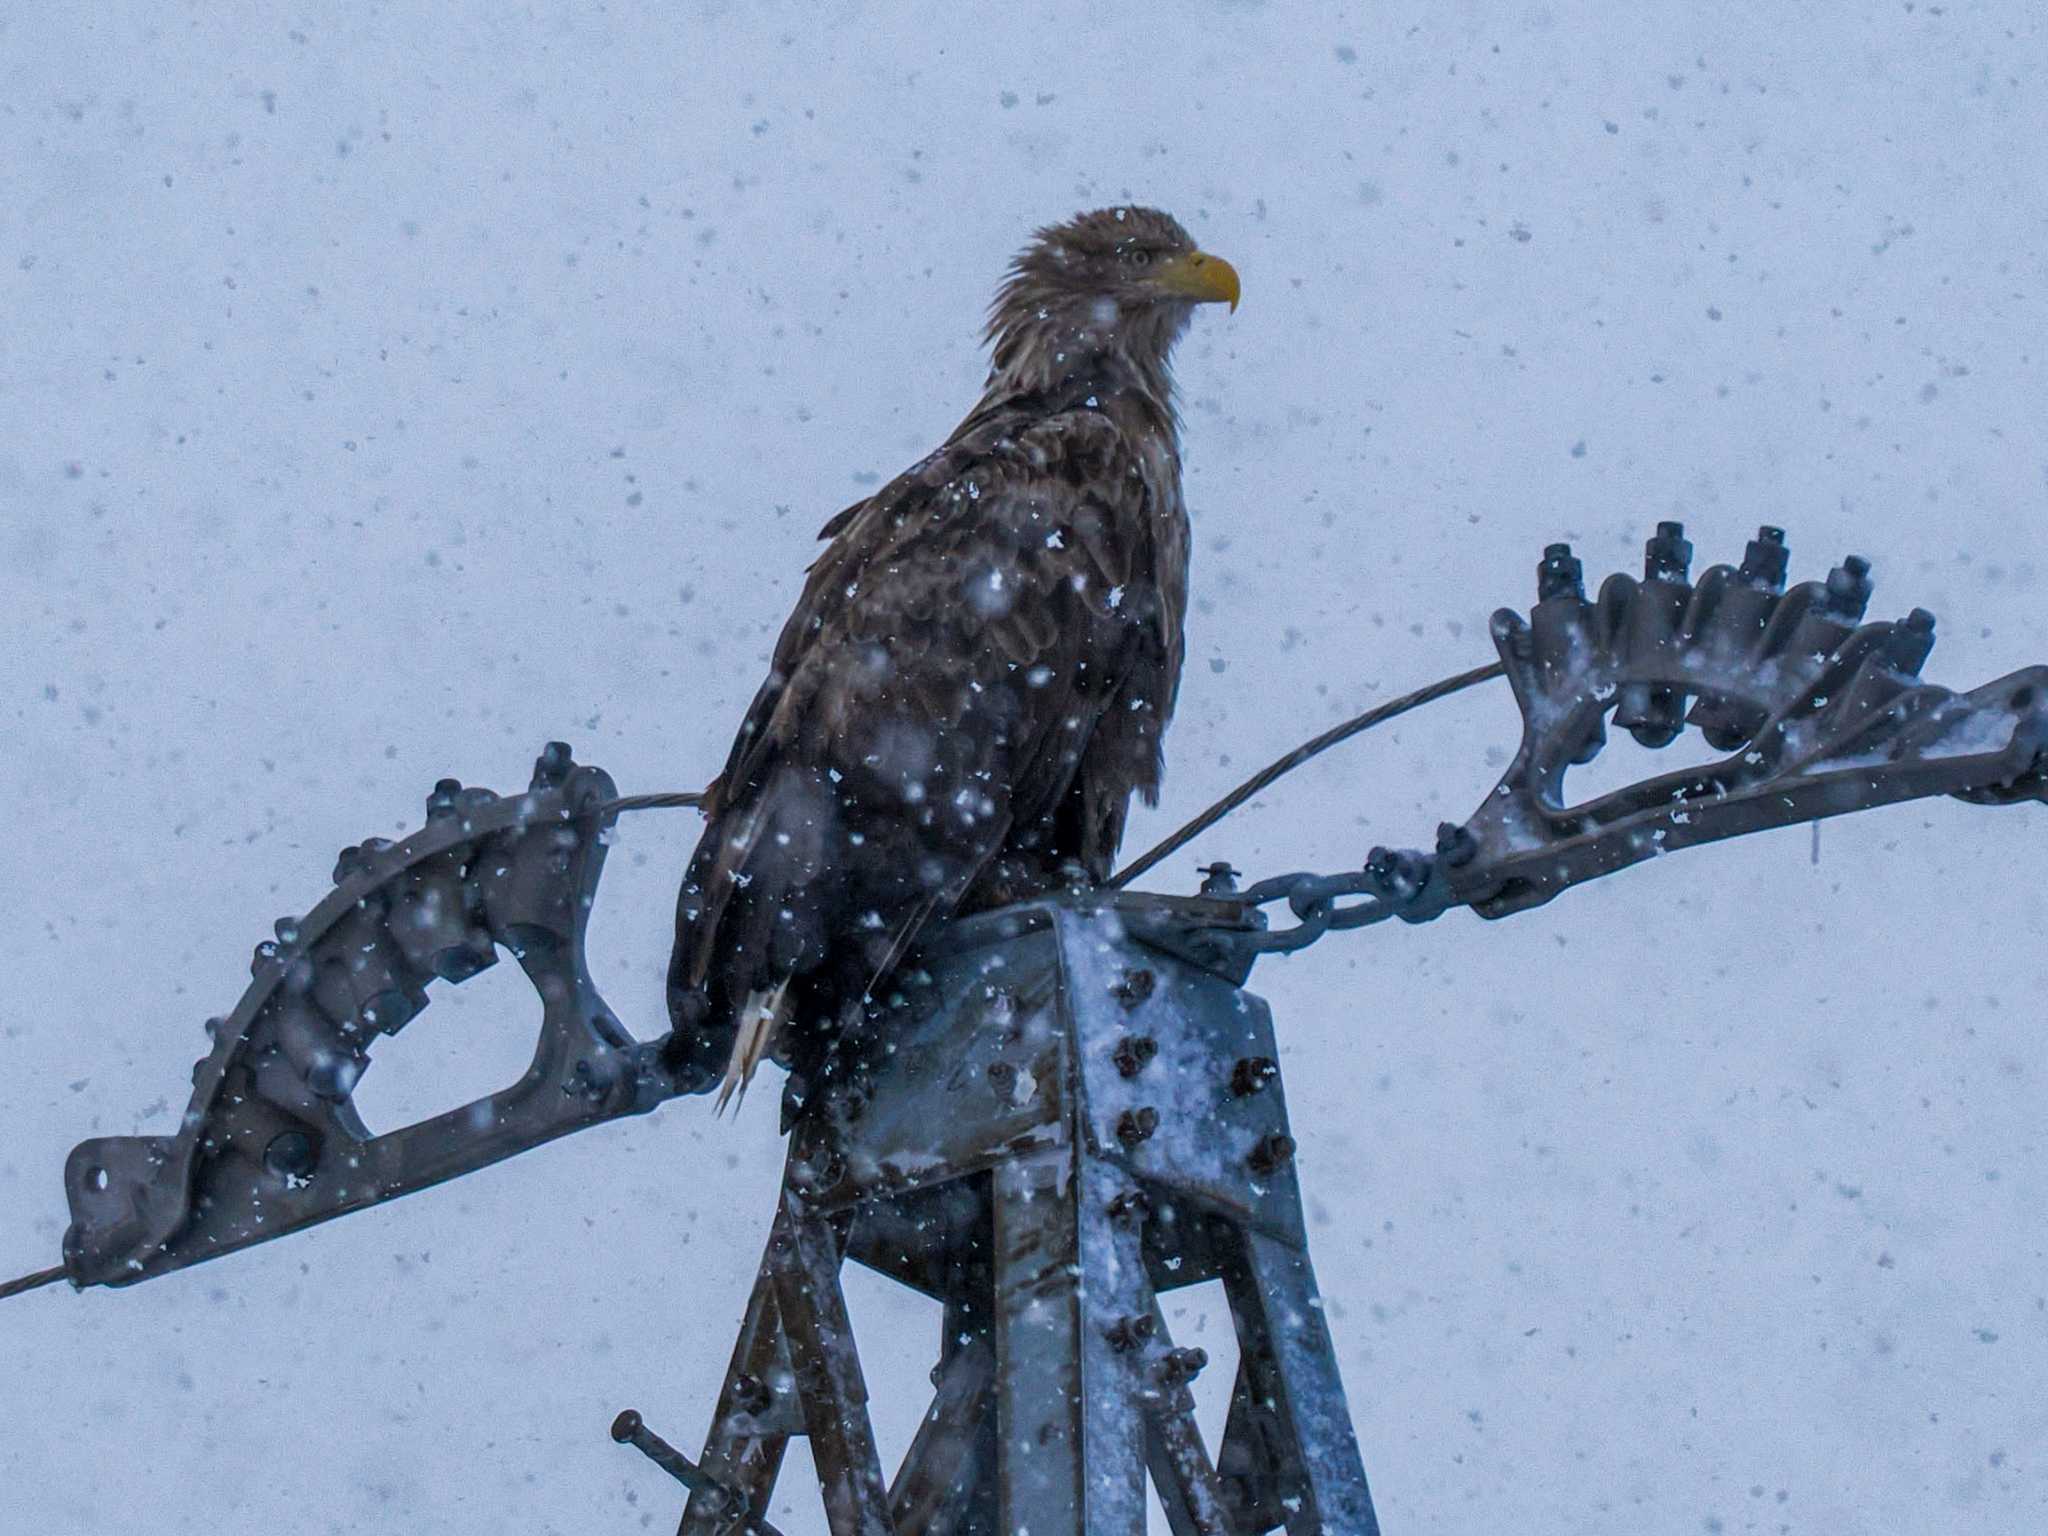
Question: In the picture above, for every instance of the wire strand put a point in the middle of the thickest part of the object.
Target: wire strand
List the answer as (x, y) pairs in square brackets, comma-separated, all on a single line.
[(1443, 688), (660, 802), (1379, 714), (36, 1281)]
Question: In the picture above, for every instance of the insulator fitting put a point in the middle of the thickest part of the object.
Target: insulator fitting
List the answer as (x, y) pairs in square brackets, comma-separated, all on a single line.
[(1560, 575)]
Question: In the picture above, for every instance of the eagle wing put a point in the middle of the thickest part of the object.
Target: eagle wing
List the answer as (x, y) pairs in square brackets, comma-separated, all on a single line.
[(975, 634)]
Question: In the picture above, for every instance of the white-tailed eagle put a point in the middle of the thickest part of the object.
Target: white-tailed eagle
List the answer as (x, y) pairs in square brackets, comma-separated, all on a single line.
[(979, 671)]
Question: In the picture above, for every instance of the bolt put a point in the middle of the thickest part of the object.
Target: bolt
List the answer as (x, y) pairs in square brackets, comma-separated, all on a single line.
[(1559, 575), (291, 1155), (442, 801), (333, 1075), (1272, 1153), (552, 766), (1218, 879), (1400, 873), (1130, 1332), (1002, 1080), (1133, 1052), (1136, 1125), (1252, 1074), (1134, 988), (1668, 554), (751, 1395), (1454, 844), (1178, 1367), (1848, 588), (1763, 564), (1128, 1207), (816, 1171)]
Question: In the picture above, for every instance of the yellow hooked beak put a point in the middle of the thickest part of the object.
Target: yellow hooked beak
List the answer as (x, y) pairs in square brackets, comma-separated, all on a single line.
[(1199, 276)]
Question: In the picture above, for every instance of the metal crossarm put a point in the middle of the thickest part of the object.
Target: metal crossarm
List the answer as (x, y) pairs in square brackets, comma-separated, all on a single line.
[(1063, 1109), (272, 1143)]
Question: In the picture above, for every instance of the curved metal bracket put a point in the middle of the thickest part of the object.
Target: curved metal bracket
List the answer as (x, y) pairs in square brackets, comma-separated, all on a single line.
[(1821, 714), (272, 1142)]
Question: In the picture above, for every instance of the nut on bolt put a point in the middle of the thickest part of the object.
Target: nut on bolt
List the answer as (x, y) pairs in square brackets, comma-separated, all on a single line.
[(1178, 1367), (1252, 1074), (1560, 575), (1130, 1206), (1133, 1052), (1136, 1125), (1455, 845), (1130, 1332), (1272, 1153), (1134, 988), (552, 766), (750, 1394)]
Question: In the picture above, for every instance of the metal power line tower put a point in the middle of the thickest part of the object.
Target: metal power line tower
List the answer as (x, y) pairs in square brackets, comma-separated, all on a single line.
[(1077, 1113), (1069, 1106)]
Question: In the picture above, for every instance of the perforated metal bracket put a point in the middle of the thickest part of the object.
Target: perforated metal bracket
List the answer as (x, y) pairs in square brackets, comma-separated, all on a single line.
[(272, 1141)]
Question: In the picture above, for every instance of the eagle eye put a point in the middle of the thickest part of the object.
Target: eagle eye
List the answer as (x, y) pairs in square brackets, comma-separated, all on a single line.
[(1138, 256)]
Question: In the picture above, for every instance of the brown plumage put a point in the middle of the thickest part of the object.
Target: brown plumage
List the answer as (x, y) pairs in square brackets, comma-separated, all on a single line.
[(979, 671)]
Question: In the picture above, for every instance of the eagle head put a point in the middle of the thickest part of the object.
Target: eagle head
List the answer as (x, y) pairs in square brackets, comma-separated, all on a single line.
[(1120, 281)]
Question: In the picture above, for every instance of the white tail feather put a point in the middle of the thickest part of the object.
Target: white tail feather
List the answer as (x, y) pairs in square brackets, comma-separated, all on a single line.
[(759, 1020)]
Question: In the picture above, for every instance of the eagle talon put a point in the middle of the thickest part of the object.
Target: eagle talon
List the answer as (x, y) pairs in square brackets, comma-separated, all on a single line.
[(687, 1059)]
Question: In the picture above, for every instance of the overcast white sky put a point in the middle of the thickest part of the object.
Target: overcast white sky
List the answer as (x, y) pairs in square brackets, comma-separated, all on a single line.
[(380, 398)]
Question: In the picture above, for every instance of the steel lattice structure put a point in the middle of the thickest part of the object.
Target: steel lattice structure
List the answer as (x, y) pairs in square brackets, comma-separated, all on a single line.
[(1066, 1107)]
